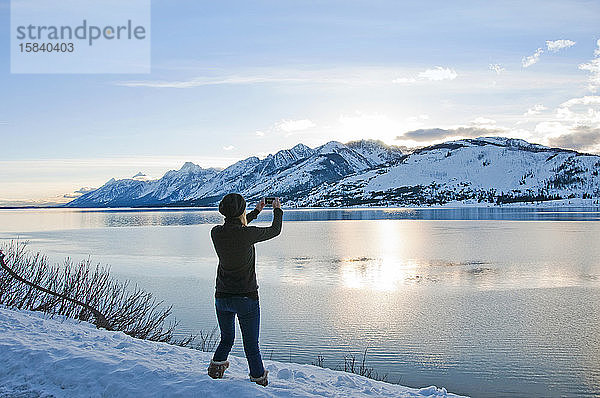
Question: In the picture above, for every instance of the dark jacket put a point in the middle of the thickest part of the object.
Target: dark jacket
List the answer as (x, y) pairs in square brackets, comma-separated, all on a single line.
[(234, 244)]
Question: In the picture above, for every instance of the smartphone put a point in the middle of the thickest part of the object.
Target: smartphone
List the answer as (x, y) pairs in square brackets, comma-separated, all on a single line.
[(269, 200)]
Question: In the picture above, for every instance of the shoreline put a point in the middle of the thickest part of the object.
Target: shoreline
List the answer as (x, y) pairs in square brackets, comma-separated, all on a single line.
[(560, 203)]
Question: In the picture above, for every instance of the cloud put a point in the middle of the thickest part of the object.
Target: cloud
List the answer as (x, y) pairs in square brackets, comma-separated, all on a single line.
[(580, 111), (438, 73), (141, 177), (582, 138), (594, 68), (552, 46), (532, 59), (538, 108), (497, 68), (291, 126), (550, 128), (84, 190), (556, 45), (206, 81), (228, 147), (272, 75), (574, 125), (440, 134), (3, 122), (356, 76), (79, 192), (260, 133)]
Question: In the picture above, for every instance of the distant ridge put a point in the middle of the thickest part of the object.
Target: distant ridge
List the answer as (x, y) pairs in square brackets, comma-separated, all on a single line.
[(371, 173)]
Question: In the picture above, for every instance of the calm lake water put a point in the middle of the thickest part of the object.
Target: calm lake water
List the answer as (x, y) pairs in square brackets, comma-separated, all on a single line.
[(485, 302)]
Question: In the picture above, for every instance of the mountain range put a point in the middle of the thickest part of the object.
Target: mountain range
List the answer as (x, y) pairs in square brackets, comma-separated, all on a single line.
[(371, 173)]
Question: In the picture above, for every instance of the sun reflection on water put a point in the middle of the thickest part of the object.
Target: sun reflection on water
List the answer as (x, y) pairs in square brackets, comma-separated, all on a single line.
[(385, 271)]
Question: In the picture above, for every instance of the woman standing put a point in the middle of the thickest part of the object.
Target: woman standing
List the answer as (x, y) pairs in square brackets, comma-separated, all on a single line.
[(236, 290)]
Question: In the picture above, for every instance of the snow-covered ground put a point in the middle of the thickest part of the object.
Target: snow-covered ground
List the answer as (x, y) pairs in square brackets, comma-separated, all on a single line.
[(58, 357)]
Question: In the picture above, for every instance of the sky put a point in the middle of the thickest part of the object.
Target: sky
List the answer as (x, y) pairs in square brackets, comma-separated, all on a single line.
[(234, 79)]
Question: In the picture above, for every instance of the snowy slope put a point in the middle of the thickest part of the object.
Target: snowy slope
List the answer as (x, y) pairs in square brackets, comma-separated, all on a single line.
[(474, 169), (59, 357)]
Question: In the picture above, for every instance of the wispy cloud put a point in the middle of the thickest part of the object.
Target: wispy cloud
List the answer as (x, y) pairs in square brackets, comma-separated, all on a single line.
[(532, 59), (594, 68), (340, 76), (538, 108), (497, 68), (557, 45), (438, 73), (552, 46), (364, 75), (228, 147), (206, 81)]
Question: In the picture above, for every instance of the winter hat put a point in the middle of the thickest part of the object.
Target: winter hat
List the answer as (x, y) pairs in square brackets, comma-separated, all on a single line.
[(232, 205)]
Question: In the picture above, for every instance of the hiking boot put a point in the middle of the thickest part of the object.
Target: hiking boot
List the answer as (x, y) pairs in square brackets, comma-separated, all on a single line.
[(262, 380), (217, 368)]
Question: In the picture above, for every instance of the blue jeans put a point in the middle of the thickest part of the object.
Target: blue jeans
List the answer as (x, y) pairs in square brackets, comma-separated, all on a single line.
[(248, 313)]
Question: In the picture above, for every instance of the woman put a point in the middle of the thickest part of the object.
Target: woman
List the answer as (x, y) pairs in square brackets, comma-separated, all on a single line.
[(236, 288)]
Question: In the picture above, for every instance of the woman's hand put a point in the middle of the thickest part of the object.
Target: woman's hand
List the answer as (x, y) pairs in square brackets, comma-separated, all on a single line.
[(260, 205), (276, 203)]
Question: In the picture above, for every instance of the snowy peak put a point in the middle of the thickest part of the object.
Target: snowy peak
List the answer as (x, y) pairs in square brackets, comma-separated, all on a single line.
[(286, 157), (189, 167), (331, 147), (302, 151), (377, 152)]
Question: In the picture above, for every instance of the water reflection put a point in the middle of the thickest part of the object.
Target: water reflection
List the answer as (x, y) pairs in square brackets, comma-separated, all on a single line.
[(20, 220)]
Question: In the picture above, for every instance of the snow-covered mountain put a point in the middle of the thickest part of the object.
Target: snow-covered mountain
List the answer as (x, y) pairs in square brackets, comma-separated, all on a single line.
[(286, 173), (485, 169), (174, 186), (370, 173)]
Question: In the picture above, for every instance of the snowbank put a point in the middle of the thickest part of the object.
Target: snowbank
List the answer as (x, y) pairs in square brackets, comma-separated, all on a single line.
[(59, 357)]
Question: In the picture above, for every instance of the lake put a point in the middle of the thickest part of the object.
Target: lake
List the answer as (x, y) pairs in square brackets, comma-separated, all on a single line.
[(488, 302)]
